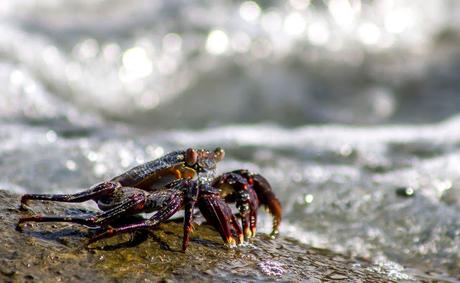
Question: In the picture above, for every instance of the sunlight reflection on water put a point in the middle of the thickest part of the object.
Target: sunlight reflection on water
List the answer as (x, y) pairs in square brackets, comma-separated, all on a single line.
[(140, 65)]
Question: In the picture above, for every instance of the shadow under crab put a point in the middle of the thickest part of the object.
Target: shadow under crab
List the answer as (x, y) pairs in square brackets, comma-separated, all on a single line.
[(178, 180)]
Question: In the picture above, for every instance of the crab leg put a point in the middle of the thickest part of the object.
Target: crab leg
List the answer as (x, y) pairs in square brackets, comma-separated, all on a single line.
[(248, 211), (190, 200), (245, 219), (236, 227), (249, 218), (165, 212), (253, 222), (95, 192), (132, 205)]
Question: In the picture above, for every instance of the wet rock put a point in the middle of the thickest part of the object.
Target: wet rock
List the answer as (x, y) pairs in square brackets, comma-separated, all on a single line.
[(52, 252)]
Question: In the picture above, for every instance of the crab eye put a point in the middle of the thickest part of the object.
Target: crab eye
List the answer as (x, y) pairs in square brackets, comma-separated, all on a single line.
[(191, 156), (219, 153)]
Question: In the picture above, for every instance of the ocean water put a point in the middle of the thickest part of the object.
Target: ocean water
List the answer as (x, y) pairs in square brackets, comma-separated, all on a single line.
[(349, 108)]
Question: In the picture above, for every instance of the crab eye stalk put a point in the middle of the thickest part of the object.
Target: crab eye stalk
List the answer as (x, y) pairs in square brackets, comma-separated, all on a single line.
[(219, 153), (191, 156)]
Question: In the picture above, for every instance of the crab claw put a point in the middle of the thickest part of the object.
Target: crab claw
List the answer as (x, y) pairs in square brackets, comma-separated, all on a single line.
[(220, 216), (259, 192), (268, 199)]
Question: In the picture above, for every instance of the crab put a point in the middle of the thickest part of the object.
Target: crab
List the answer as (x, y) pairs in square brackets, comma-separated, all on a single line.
[(178, 180)]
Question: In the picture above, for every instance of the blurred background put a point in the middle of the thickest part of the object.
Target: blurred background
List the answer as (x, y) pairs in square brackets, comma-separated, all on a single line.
[(348, 107)]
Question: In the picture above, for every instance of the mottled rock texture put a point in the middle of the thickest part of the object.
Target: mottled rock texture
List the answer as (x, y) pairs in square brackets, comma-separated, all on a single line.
[(52, 252)]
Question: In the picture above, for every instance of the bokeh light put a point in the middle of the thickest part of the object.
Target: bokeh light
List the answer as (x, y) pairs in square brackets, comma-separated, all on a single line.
[(294, 24), (249, 11), (217, 42), (136, 64)]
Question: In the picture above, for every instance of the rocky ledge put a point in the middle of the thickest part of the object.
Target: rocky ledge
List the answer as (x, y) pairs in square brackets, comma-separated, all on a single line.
[(52, 252)]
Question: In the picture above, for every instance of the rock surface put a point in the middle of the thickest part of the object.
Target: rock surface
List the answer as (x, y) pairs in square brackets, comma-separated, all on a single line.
[(52, 252)]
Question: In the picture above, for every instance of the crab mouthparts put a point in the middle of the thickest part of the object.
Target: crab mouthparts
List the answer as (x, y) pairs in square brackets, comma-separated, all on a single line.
[(206, 177)]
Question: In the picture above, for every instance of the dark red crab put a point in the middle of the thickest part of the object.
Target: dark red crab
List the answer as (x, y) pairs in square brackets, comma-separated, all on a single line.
[(178, 180)]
